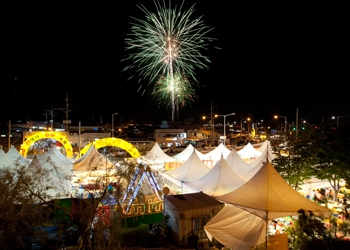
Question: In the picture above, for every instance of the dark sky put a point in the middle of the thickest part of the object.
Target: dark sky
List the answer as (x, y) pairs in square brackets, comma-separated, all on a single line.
[(273, 60)]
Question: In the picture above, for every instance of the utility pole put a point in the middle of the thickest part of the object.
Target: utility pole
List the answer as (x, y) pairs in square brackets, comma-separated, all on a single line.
[(9, 139)]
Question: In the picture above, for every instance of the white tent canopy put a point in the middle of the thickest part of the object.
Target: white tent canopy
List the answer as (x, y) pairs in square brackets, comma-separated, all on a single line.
[(58, 178), (58, 158), (249, 152), (268, 191), (17, 157), (221, 179), (265, 196), (192, 169), (265, 145), (236, 228), (156, 156), (216, 154), (265, 156), (6, 162), (185, 154), (92, 160), (238, 165), (58, 154)]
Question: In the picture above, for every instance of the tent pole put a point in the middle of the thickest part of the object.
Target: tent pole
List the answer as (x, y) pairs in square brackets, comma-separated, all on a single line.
[(267, 220)]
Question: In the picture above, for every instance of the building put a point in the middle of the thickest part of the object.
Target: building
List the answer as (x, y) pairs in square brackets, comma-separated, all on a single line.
[(170, 138), (189, 213)]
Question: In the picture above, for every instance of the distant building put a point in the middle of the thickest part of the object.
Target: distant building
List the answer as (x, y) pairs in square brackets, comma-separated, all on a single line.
[(170, 138), (189, 213)]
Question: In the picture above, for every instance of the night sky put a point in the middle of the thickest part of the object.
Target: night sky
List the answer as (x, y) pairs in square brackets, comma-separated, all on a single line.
[(273, 60)]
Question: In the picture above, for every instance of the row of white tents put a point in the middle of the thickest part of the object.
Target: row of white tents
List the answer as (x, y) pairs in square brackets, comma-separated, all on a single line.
[(253, 193)]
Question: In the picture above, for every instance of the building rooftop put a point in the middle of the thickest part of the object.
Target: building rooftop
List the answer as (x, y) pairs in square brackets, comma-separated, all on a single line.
[(192, 200)]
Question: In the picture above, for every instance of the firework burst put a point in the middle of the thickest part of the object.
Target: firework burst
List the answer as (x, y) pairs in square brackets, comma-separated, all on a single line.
[(167, 43), (182, 90)]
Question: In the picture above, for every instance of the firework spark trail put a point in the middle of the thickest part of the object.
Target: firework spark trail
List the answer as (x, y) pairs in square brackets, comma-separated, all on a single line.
[(167, 43)]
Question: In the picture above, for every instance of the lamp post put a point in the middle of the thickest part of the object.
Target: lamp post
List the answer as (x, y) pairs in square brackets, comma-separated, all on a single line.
[(285, 120), (225, 125), (113, 124)]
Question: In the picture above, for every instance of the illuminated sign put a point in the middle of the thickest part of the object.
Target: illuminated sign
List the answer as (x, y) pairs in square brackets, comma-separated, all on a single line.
[(34, 136), (114, 142)]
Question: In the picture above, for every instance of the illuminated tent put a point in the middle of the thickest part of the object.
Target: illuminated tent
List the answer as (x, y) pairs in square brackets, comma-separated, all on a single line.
[(156, 157), (60, 159), (267, 196), (6, 162), (268, 191), (236, 228), (91, 161), (249, 152), (266, 155), (55, 177), (265, 145), (58, 154), (17, 157), (185, 154), (216, 154), (220, 180), (45, 157), (190, 170), (238, 165)]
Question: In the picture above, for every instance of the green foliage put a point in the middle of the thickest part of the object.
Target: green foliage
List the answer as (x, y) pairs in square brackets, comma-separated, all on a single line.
[(310, 233)]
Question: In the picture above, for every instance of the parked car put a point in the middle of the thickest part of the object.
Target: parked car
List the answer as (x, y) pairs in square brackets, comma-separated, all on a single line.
[(179, 149)]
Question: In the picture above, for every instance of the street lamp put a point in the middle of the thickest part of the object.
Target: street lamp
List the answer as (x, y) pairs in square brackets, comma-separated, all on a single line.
[(285, 125), (225, 125), (248, 119), (113, 124)]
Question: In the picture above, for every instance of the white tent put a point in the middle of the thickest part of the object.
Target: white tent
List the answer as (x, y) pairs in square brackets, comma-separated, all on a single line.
[(192, 169), (17, 157), (265, 156), (185, 154), (267, 196), (236, 228), (216, 154), (264, 146), (221, 179), (56, 177), (6, 162), (238, 165), (156, 158), (92, 160), (60, 155), (268, 191), (60, 159), (249, 152)]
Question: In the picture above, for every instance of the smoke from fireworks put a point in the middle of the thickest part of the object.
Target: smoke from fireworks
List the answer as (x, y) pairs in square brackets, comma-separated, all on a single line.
[(167, 43)]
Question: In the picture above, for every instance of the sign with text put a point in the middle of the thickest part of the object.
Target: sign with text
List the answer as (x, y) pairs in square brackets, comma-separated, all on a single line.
[(172, 165)]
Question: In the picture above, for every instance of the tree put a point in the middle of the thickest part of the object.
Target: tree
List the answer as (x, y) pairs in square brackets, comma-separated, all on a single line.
[(293, 166), (33, 186), (21, 216), (328, 149)]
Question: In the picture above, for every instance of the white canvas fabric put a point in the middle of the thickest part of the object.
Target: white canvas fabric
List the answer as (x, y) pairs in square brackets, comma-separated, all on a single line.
[(58, 178), (59, 160), (190, 170), (265, 145), (221, 179), (156, 154), (6, 162), (249, 151), (61, 156), (92, 159), (17, 157), (266, 155), (216, 154), (185, 154), (236, 228), (238, 165), (268, 191)]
